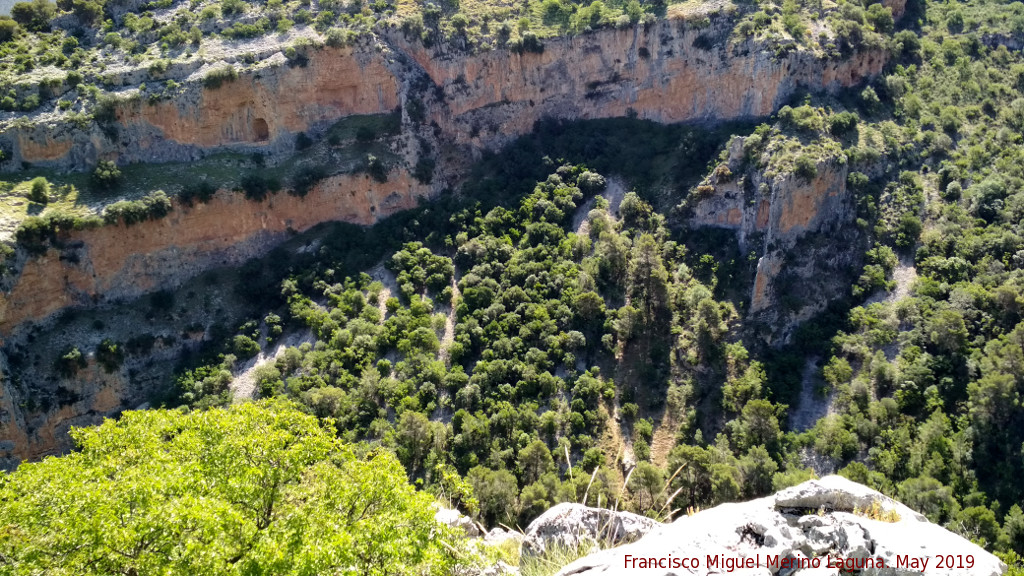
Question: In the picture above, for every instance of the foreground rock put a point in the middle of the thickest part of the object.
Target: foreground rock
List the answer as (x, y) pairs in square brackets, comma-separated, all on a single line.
[(820, 527), (570, 525), (455, 519)]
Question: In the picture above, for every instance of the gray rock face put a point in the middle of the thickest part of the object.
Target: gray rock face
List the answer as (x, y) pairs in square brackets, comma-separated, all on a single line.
[(499, 536), (455, 519), (819, 527), (572, 525)]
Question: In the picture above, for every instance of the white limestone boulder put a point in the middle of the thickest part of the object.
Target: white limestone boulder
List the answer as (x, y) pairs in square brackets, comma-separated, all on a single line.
[(570, 526), (455, 519), (820, 520)]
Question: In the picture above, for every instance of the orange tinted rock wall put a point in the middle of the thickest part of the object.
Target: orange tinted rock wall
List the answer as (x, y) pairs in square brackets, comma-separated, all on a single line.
[(335, 83), (46, 433), (656, 72), (669, 71), (123, 261), (32, 150)]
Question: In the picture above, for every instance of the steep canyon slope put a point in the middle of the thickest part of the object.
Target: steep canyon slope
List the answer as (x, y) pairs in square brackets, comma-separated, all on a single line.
[(453, 107)]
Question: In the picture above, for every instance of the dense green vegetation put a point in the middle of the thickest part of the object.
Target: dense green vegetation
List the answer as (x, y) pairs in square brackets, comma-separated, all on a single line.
[(519, 388), (535, 343), (257, 488), (510, 374)]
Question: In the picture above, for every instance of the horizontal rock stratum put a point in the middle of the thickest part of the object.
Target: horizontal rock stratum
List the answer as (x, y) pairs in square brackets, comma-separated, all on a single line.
[(833, 520), (668, 71)]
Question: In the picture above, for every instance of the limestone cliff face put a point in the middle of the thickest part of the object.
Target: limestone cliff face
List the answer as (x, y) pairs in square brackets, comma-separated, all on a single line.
[(32, 434), (803, 228), (112, 263), (657, 72), (262, 109), (116, 262), (669, 71)]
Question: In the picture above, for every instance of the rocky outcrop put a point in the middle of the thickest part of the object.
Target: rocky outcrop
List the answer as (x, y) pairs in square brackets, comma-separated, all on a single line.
[(668, 71), (455, 519), (570, 526), (117, 261), (775, 212), (830, 526)]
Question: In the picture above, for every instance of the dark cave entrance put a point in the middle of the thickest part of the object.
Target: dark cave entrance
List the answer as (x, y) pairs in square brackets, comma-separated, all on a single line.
[(261, 130)]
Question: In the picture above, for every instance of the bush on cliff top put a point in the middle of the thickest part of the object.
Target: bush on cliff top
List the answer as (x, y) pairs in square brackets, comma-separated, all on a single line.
[(256, 488), (152, 206), (216, 78)]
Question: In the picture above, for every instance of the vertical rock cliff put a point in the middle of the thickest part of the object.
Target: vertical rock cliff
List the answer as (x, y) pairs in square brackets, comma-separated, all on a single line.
[(802, 227)]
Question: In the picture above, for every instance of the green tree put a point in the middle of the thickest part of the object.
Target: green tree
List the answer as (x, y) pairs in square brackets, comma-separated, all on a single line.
[(534, 461), (256, 488), (40, 191), (35, 15), (8, 28), (106, 175), (497, 493)]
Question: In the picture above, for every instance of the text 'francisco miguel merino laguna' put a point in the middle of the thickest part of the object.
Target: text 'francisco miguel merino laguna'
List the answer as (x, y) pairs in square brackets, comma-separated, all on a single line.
[(731, 563)]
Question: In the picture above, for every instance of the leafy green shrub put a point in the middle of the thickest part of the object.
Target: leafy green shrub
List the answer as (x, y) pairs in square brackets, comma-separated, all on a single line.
[(842, 123), (210, 12), (106, 175), (247, 30), (232, 7), (34, 15), (70, 362), (40, 191), (110, 355), (306, 178), (105, 110), (158, 67), (339, 37), (244, 347), (881, 18), (591, 182), (256, 186), (908, 231), (152, 206), (801, 118), (219, 76), (199, 476), (8, 28), (423, 172), (68, 44), (35, 233), (806, 166), (201, 191), (376, 168)]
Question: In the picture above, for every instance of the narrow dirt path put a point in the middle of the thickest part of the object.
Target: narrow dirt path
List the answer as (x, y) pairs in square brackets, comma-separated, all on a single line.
[(449, 325), (381, 274), (243, 385), (904, 276), (613, 193), (664, 439)]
